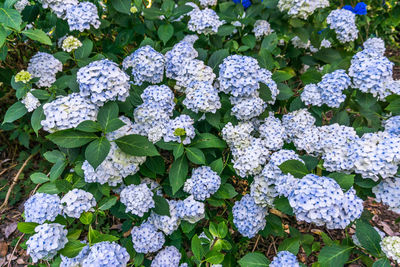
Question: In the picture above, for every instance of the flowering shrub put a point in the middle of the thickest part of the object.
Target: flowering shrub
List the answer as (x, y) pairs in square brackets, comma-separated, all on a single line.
[(172, 132)]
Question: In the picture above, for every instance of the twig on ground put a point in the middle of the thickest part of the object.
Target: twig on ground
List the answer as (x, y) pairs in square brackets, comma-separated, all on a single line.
[(15, 248), (8, 168), (255, 245)]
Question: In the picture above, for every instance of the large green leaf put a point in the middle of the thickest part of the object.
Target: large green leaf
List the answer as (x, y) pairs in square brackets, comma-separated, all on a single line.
[(195, 155), (294, 167), (137, 145), (178, 173), (334, 256), (37, 117), (123, 6), (97, 151), (16, 111), (85, 50), (369, 238), (207, 140), (165, 32), (108, 117), (214, 257), (290, 244), (27, 227), (217, 57), (197, 249), (161, 205), (39, 178), (107, 203), (38, 35), (57, 169), (72, 248), (71, 138), (254, 259), (10, 18), (345, 181), (384, 262), (3, 36)]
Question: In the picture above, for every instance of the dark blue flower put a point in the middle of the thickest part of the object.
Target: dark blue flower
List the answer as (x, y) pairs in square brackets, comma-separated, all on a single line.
[(359, 9), (245, 3)]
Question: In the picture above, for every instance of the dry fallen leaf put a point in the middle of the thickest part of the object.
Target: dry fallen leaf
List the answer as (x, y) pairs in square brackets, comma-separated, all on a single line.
[(3, 249), (10, 229)]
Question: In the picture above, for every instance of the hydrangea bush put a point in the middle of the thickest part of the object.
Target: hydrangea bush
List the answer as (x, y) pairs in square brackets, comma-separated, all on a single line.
[(176, 133)]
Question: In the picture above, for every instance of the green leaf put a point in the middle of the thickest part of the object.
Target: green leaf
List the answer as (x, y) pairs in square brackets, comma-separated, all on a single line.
[(216, 58), (282, 75), (9, 3), (217, 165), (207, 140), (385, 262), (345, 181), (97, 151), (265, 59), (57, 169), (394, 107), (3, 36), (53, 156), (270, 42), (285, 92), (10, 18), (37, 35), (311, 76), (214, 257), (156, 164), (165, 32), (294, 167), (222, 230), (63, 186), (86, 218), (16, 111), (328, 55), (107, 203), (195, 155), (89, 126), (96, 237), (196, 247), (72, 248), (265, 92), (369, 238), (290, 244), (225, 30), (123, 6), (108, 117), (161, 205), (27, 227), (178, 173), (71, 138), (49, 188), (334, 256), (249, 40), (62, 56), (152, 13), (181, 10), (226, 191), (282, 204), (39, 178), (74, 234), (178, 151), (85, 50), (136, 145), (37, 117), (254, 259)]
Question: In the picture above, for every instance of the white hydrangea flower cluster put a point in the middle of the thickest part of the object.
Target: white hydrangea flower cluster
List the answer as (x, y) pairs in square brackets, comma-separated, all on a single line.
[(30, 101), (167, 224), (146, 238), (357, 242), (372, 72), (44, 66), (77, 260), (204, 21), (191, 210), (168, 257), (284, 258), (206, 3), (70, 43), (391, 247), (388, 192), (47, 241), (320, 200), (180, 130), (248, 217), (21, 4), (202, 97), (344, 23), (375, 44), (103, 81), (81, 16), (272, 133), (59, 7), (392, 125), (262, 28), (203, 183), (67, 112), (147, 65), (329, 91), (104, 254), (376, 155), (42, 207), (77, 201), (301, 8), (138, 199)]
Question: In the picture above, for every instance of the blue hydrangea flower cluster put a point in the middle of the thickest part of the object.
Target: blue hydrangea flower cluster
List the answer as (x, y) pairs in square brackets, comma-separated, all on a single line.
[(45, 67), (272, 171), (146, 238), (59, 7), (392, 125), (296, 122), (301, 8), (168, 257), (359, 9), (47, 241), (138, 199), (103, 81), (344, 23), (238, 137), (67, 112), (147, 65), (329, 91), (262, 28), (246, 108), (372, 72), (191, 210), (21, 4), (105, 254), (77, 201), (272, 133), (202, 97), (193, 71), (320, 200), (375, 44), (248, 217), (80, 17), (206, 3), (167, 224), (245, 3), (183, 122), (203, 183), (283, 259), (204, 21), (77, 260), (42, 207), (177, 57), (376, 155), (388, 192)]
